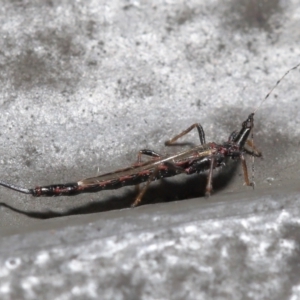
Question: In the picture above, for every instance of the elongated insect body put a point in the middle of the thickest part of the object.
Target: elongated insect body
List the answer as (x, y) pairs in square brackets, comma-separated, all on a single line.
[(188, 162), (196, 160), (201, 158)]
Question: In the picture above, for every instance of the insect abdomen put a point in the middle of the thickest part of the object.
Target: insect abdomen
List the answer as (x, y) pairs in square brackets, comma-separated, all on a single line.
[(67, 189)]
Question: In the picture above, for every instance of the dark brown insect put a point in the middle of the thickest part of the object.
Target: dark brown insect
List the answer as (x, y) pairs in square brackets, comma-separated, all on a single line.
[(205, 157)]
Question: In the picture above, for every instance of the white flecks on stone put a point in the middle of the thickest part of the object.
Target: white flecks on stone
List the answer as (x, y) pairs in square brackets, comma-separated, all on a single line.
[(13, 263)]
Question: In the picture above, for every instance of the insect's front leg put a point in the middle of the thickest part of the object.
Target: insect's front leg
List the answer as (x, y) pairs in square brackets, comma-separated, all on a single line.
[(200, 132), (249, 146), (245, 172), (251, 149)]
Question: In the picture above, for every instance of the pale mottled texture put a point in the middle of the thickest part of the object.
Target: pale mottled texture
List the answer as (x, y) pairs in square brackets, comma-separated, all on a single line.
[(87, 84)]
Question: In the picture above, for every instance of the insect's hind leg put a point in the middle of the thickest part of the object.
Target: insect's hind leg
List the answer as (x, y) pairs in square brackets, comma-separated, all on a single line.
[(141, 193), (200, 132), (146, 152), (155, 173)]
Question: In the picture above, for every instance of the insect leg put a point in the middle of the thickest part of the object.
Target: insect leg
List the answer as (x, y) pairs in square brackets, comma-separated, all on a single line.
[(139, 197), (208, 188), (251, 149), (139, 160), (245, 171), (200, 132), (148, 153), (170, 166)]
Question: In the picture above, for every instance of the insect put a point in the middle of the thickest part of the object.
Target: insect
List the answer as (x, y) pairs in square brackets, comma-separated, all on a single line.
[(204, 157)]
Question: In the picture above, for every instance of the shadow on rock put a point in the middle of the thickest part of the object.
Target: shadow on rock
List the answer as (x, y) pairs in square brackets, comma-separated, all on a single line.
[(167, 190)]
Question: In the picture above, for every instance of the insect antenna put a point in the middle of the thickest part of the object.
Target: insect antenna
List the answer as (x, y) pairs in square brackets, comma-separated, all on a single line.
[(259, 105), (273, 88), (253, 159)]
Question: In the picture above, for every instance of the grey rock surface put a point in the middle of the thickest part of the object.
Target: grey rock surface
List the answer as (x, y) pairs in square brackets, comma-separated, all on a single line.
[(87, 84)]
